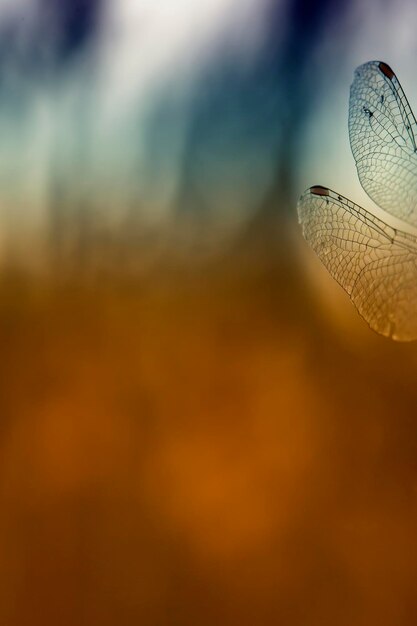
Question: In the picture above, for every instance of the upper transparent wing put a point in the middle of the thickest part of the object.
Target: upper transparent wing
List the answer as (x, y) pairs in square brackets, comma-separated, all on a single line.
[(383, 131), (374, 263)]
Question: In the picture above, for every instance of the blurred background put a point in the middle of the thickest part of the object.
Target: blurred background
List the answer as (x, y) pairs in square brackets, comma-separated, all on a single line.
[(196, 426)]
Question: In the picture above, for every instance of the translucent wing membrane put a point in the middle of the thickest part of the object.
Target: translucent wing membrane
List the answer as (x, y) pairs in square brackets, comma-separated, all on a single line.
[(383, 131), (374, 263)]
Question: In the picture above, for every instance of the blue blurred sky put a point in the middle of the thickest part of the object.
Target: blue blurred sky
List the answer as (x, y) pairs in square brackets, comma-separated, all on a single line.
[(174, 106)]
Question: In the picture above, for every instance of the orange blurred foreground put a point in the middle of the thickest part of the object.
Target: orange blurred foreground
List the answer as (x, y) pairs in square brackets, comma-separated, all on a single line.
[(197, 447)]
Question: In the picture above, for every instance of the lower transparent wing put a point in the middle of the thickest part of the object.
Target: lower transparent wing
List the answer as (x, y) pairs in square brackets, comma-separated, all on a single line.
[(383, 137), (374, 263)]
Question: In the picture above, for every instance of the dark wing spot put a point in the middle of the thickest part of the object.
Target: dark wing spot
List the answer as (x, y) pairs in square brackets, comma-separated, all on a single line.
[(318, 190), (367, 112), (386, 70)]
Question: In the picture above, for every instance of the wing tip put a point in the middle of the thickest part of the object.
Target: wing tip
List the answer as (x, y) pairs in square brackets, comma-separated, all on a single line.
[(383, 67), (303, 206)]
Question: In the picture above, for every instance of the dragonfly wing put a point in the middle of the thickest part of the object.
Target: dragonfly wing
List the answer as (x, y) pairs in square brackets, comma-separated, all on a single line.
[(374, 263), (383, 131)]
